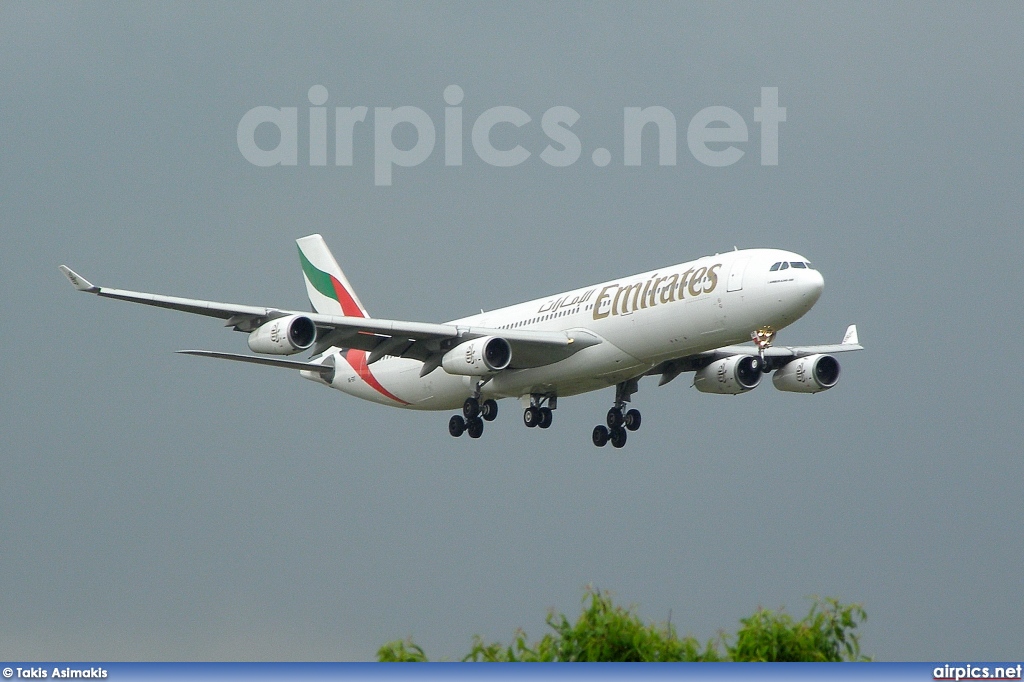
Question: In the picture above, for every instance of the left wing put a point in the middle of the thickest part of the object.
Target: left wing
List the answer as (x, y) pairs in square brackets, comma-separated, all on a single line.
[(849, 342), (422, 341), (775, 356)]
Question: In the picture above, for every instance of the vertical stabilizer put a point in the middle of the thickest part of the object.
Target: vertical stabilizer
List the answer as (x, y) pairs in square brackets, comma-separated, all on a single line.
[(328, 288)]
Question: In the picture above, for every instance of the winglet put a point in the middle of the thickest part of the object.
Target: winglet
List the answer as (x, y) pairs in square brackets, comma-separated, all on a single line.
[(850, 339), (77, 281)]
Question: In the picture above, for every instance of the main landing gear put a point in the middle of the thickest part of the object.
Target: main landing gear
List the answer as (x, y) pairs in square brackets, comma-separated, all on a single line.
[(618, 422), (474, 414), (539, 414)]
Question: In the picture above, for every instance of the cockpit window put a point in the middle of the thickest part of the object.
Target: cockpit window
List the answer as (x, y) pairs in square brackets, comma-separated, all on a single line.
[(798, 264), (784, 266), (775, 267), (809, 266)]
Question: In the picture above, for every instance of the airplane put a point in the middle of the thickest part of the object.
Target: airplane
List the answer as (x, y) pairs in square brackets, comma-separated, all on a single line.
[(682, 318)]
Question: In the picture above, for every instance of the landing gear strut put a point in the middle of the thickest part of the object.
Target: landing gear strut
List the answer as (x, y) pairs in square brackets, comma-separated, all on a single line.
[(539, 413), (762, 338), (617, 421), (474, 413)]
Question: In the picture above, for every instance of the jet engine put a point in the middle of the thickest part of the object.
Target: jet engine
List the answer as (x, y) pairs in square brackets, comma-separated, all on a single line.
[(811, 374), (731, 375), (485, 355), (283, 336)]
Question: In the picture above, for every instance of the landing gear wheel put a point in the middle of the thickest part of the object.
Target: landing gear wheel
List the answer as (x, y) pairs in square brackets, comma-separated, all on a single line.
[(600, 435), (618, 436), (632, 420), (545, 417), (615, 418), (489, 410), (475, 427), (471, 408), (531, 416), (456, 425)]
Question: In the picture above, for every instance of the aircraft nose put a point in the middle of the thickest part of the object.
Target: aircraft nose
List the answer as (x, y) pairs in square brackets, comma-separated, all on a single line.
[(813, 284)]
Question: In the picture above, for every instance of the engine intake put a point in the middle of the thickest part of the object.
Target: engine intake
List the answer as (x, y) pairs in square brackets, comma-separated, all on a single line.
[(731, 375), (812, 374), (485, 355), (283, 336)]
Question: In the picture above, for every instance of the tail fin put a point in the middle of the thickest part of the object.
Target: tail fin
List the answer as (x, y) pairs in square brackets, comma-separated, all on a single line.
[(328, 288)]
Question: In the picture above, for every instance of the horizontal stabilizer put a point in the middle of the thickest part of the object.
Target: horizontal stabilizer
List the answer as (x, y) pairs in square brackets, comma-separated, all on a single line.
[(257, 360)]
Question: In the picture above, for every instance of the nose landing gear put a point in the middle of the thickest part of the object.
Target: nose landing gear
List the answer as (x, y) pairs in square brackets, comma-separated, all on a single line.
[(762, 338)]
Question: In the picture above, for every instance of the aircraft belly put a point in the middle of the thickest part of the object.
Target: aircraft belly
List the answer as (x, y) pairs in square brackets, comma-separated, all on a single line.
[(591, 368)]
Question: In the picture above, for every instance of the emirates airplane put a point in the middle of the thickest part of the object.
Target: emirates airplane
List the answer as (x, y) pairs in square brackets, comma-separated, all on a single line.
[(682, 318)]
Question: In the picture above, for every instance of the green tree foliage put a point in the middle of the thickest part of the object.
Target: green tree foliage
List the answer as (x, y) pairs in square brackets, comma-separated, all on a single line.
[(825, 634), (401, 652), (606, 632)]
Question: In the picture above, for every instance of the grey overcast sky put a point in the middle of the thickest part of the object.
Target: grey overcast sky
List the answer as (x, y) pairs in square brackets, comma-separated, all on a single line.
[(156, 506)]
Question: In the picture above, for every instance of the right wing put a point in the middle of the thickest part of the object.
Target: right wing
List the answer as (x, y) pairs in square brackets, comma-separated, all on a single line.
[(776, 356)]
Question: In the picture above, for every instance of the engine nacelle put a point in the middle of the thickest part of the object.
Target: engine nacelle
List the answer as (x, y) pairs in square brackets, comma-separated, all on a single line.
[(284, 336), (731, 375), (485, 355), (811, 374)]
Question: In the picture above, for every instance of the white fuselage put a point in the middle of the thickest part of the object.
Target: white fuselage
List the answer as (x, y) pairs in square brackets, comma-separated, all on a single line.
[(642, 320)]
